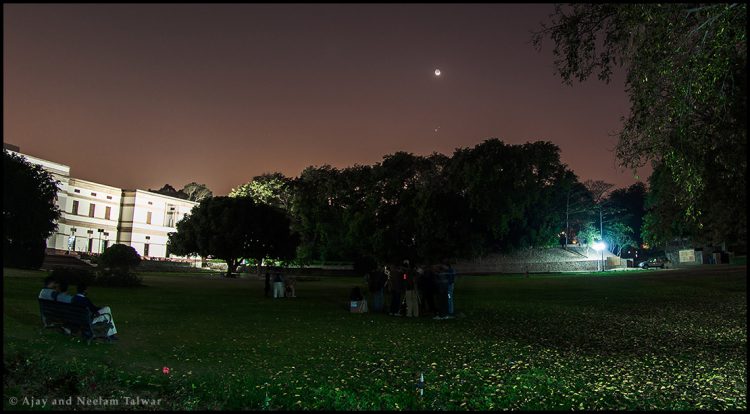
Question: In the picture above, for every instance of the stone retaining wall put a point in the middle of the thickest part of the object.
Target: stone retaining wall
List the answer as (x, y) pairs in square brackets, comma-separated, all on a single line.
[(535, 261)]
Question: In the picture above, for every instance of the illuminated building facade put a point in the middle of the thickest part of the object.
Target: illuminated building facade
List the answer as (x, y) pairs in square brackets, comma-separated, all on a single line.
[(94, 216)]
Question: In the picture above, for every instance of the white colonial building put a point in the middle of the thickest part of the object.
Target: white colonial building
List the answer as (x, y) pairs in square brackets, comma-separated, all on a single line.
[(94, 216), (89, 215), (147, 219)]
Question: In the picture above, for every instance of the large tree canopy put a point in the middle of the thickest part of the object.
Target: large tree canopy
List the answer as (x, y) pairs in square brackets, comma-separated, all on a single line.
[(687, 80), (233, 229), (428, 209), (269, 188), (29, 211), (196, 192)]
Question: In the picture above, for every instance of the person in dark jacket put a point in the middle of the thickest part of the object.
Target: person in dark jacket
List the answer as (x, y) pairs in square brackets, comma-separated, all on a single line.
[(82, 299), (427, 288), (451, 282), (395, 286), (376, 283), (411, 292), (442, 294), (267, 288)]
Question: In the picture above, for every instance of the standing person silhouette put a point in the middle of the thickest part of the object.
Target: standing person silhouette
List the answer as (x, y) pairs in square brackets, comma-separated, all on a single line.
[(278, 284), (267, 288)]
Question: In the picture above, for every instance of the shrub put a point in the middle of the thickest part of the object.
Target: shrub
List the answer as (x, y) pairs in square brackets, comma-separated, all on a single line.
[(119, 256), (115, 266)]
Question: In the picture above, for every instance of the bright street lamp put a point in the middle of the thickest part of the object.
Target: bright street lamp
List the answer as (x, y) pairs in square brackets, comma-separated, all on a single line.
[(599, 246)]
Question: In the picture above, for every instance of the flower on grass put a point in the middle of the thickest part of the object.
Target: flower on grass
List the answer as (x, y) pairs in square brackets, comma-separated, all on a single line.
[(165, 370)]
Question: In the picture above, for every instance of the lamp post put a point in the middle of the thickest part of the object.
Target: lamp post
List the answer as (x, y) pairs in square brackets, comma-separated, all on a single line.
[(599, 246)]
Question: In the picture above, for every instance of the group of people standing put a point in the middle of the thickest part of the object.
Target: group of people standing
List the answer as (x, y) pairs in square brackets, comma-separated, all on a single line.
[(413, 290), (55, 290)]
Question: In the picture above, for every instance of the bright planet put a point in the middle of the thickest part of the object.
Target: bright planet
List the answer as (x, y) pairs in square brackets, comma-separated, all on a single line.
[(437, 72)]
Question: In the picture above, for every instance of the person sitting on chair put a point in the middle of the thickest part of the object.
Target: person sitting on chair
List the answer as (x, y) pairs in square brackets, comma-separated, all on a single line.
[(62, 293), (357, 302), (81, 299), (49, 291)]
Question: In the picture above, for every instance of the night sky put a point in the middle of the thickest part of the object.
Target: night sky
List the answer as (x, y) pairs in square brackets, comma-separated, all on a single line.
[(136, 96)]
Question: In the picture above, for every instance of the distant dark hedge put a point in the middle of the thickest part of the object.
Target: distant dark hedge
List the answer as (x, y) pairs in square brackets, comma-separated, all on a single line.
[(74, 277)]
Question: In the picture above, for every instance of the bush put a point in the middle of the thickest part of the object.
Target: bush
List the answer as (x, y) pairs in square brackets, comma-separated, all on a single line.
[(73, 277), (119, 256)]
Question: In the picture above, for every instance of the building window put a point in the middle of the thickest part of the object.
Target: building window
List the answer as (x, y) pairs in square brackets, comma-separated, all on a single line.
[(148, 218), (148, 237), (107, 212), (92, 208), (91, 245), (76, 191), (90, 231), (109, 197), (145, 249), (106, 233), (170, 219), (93, 194), (150, 203), (75, 207)]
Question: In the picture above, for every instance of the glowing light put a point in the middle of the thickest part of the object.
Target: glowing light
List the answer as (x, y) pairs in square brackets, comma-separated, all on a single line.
[(599, 246), (437, 72)]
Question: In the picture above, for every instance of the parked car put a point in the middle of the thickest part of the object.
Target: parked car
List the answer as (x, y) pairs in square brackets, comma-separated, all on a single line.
[(661, 262)]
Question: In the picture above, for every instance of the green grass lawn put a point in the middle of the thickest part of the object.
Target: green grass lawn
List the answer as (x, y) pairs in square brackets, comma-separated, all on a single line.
[(641, 340)]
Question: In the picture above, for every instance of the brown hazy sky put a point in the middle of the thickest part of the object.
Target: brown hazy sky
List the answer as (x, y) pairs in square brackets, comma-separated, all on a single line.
[(137, 95)]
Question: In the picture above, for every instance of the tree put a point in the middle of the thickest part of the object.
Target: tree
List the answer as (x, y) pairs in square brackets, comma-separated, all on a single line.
[(29, 211), (630, 201), (434, 208), (618, 236), (196, 192), (599, 190), (170, 191), (233, 229), (318, 212), (269, 188), (686, 68), (588, 234), (578, 204), (663, 221), (514, 192)]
